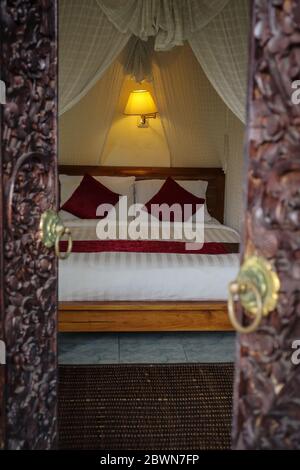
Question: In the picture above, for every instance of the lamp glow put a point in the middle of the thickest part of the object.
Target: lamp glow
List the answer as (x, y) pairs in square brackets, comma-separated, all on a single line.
[(140, 103)]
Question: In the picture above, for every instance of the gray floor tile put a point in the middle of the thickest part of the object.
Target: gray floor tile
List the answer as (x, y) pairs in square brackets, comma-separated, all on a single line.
[(152, 355), (207, 337), (88, 348), (211, 347), (75, 359), (170, 339), (158, 348)]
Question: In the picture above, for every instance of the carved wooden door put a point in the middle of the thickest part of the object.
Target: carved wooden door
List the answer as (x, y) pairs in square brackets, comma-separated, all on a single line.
[(28, 269), (267, 384)]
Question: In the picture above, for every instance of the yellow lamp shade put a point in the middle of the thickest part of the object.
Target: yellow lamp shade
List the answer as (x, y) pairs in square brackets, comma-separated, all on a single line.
[(140, 103)]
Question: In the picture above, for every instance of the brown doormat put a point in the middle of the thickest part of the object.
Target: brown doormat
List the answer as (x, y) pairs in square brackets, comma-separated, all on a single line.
[(145, 407)]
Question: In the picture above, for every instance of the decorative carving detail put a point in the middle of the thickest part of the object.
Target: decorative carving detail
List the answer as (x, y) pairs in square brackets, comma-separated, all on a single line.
[(267, 409), (2, 367), (29, 69)]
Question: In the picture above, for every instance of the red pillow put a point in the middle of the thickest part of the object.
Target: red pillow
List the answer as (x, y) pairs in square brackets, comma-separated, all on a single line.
[(87, 197), (172, 193)]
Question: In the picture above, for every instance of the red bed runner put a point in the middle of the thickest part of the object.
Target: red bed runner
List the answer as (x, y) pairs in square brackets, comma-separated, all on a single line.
[(148, 246)]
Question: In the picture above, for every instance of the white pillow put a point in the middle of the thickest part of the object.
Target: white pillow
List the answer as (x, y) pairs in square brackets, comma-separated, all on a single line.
[(67, 216), (146, 189), (118, 184), (68, 184)]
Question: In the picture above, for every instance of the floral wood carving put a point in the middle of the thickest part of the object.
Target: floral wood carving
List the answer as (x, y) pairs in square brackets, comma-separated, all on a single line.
[(29, 69), (2, 367), (267, 406)]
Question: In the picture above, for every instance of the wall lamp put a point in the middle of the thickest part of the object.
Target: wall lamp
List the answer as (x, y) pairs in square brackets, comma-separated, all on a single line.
[(140, 103)]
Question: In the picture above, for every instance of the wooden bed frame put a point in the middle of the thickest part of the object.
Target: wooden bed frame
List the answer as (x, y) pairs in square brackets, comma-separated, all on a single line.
[(150, 316)]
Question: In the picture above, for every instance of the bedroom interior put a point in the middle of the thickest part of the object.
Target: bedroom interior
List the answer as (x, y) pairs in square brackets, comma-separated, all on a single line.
[(118, 306), (149, 228)]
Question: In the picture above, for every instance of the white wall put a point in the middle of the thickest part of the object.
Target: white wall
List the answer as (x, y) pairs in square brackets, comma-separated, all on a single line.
[(129, 145)]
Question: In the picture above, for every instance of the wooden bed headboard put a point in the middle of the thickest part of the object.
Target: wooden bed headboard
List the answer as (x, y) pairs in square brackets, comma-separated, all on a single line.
[(215, 194)]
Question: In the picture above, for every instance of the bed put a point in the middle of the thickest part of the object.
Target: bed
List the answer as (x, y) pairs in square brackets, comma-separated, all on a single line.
[(118, 291)]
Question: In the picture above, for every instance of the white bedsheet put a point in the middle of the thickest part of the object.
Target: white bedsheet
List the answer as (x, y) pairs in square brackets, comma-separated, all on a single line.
[(148, 276)]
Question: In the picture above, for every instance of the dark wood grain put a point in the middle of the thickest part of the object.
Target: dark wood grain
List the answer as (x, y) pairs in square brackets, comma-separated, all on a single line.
[(267, 407), (215, 195), (29, 124), (2, 367)]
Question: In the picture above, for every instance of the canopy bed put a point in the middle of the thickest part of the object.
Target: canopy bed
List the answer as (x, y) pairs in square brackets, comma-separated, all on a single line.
[(133, 38), (160, 307)]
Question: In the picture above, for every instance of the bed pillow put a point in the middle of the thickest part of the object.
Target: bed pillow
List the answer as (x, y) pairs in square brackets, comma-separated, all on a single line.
[(146, 189), (120, 185), (123, 185), (68, 184), (87, 197), (67, 217), (172, 193)]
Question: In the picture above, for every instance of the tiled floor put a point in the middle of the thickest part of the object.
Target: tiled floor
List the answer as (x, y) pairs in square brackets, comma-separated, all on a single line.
[(111, 348)]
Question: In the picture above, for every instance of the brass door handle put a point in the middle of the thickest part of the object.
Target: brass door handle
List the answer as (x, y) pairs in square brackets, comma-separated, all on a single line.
[(257, 286), (51, 232), (235, 289), (66, 231)]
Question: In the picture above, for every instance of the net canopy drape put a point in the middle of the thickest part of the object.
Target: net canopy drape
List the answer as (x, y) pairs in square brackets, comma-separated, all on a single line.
[(88, 44), (93, 32), (221, 48), (137, 60), (170, 21), (192, 113), (84, 128)]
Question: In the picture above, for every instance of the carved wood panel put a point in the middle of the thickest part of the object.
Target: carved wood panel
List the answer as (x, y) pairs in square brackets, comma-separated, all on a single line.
[(29, 69), (267, 406), (2, 367)]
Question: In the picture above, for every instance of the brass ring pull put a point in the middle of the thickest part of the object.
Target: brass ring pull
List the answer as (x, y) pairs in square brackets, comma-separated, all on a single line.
[(257, 288), (235, 289), (52, 230), (61, 233)]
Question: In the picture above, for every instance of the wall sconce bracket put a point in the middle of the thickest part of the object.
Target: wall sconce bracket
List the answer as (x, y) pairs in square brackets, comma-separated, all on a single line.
[(143, 120)]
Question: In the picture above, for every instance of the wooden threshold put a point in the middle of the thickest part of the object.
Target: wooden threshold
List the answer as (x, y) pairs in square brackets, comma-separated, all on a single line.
[(143, 316)]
